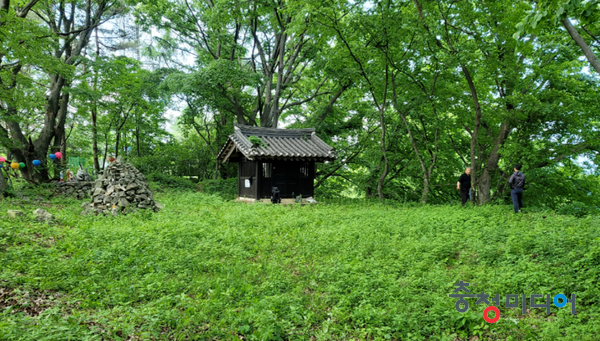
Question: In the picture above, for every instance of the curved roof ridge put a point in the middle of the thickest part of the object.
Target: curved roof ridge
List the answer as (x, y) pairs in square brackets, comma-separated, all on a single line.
[(301, 144)]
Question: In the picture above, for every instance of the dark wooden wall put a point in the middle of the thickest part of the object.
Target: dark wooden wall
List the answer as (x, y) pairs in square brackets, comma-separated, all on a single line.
[(291, 177)]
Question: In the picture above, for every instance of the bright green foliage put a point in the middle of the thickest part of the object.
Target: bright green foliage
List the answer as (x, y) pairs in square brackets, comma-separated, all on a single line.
[(536, 107), (252, 61), (128, 103), (171, 182), (224, 188), (207, 269), (556, 10), (256, 141), (565, 186), (547, 15), (190, 156), (408, 93), (23, 41)]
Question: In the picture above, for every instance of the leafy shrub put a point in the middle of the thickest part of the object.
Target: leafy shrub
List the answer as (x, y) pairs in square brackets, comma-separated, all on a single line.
[(171, 181), (577, 209), (10, 193), (25, 189), (560, 187), (225, 188)]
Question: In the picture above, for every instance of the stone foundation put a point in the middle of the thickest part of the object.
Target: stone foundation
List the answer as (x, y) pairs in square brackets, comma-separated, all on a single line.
[(76, 189)]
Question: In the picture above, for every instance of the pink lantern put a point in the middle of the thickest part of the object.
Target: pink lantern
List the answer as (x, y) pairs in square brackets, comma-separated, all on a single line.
[(2, 159), (58, 155)]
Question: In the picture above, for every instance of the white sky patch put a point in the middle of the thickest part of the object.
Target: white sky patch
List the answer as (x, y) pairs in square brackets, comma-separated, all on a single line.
[(171, 116)]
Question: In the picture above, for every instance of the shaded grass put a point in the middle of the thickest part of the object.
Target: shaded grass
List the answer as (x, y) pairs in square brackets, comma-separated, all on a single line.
[(208, 269)]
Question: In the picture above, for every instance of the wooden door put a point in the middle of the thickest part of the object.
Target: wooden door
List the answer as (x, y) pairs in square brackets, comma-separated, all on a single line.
[(247, 180)]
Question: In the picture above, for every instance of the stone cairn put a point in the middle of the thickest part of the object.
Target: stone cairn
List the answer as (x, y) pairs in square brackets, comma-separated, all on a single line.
[(120, 188)]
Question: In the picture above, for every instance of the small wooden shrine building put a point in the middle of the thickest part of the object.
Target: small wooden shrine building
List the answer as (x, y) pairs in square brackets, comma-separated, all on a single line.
[(284, 158)]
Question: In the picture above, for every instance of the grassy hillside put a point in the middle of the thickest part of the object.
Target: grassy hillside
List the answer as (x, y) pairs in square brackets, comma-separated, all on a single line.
[(206, 269)]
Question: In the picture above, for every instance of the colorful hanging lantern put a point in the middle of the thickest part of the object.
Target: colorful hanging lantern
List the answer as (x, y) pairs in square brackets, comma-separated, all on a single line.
[(14, 165), (58, 155), (2, 159), (111, 159), (52, 156), (36, 163), (21, 165)]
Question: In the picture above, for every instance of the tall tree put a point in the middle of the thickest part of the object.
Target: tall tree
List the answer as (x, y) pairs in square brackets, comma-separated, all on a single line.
[(70, 24), (501, 74), (269, 47)]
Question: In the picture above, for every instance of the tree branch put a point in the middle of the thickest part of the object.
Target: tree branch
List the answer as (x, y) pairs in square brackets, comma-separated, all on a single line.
[(591, 57)]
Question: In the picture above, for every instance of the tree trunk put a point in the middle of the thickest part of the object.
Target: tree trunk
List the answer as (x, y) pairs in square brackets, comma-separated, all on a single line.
[(95, 137), (386, 164), (28, 150), (485, 181), (9, 180), (475, 132), (118, 137), (415, 147), (63, 147), (265, 118), (23, 150), (3, 185), (275, 112), (137, 139), (426, 187), (94, 112), (105, 148), (59, 129), (386, 169)]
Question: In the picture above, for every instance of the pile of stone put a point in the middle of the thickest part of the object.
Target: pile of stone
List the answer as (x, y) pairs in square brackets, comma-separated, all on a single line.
[(77, 189), (120, 188)]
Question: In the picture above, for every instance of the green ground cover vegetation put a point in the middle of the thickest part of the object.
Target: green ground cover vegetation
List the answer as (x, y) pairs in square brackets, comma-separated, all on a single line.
[(208, 269)]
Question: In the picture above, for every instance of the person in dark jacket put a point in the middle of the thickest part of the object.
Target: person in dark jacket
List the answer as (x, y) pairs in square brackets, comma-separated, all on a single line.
[(517, 183), (464, 185)]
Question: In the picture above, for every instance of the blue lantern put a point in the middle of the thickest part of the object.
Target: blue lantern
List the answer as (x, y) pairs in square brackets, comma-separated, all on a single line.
[(36, 163), (52, 156)]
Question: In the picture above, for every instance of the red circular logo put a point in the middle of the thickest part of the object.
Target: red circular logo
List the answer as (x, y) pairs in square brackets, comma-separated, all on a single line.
[(486, 312)]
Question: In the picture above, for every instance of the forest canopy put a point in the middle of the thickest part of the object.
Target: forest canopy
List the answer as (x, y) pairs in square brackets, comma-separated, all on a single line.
[(409, 93)]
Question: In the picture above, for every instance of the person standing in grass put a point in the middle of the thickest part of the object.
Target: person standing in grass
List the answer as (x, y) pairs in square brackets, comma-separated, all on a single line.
[(517, 183), (464, 185)]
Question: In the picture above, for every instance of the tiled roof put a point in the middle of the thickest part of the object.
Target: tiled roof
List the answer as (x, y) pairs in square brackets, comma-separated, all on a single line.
[(281, 144)]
